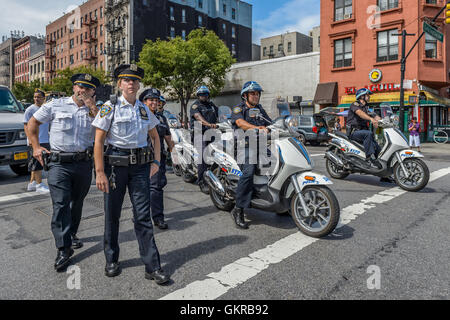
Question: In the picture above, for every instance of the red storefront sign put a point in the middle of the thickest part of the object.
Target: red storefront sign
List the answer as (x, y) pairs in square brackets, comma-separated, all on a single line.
[(382, 87)]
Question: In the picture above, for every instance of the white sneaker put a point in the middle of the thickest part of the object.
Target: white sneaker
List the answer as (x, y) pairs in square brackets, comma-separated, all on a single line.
[(32, 186), (42, 188)]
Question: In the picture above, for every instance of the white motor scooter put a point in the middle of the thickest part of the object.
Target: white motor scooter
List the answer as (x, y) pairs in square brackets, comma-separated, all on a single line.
[(346, 156), (289, 185)]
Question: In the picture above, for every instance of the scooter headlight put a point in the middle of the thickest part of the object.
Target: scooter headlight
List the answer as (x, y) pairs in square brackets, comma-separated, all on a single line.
[(395, 119), (291, 122)]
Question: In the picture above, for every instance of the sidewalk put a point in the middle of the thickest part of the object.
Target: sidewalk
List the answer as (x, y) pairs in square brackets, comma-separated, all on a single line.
[(435, 151)]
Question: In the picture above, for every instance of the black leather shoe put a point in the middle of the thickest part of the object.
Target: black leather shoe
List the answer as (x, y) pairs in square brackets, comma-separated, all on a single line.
[(112, 269), (63, 258), (238, 217), (374, 161), (161, 225), (76, 243), (159, 276), (203, 187), (387, 180)]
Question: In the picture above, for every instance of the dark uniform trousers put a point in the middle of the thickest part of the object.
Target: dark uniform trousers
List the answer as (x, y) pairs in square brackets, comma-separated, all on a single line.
[(136, 177), (69, 183), (244, 191), (367, 138), (202, 167), (157, 183)]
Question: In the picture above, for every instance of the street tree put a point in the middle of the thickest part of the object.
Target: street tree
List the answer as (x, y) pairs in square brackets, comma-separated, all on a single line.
[(24, 91), (179, 66), (62, 82)]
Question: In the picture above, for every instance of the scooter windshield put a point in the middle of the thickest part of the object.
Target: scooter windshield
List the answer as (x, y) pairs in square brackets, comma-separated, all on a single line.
[(224, 113), (386, 110)]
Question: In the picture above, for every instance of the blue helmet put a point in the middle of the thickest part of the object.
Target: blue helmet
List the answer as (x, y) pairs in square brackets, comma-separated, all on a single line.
[(162, 99), (202, 90), (362, 92), (251, 86)]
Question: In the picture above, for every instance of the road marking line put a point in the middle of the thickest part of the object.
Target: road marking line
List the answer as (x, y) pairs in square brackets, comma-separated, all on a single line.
[(236, 273), (19, 196)]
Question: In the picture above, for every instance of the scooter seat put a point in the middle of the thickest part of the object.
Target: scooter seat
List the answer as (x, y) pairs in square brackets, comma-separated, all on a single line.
[(344, 136)]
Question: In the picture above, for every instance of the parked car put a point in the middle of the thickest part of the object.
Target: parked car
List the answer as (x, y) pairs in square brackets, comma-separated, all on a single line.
[(312, 129), (13, 140)]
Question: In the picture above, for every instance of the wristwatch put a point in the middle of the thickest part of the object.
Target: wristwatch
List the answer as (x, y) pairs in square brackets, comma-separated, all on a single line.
[(157, 162)]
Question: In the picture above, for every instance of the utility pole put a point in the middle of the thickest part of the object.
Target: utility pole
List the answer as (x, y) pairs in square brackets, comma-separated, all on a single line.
[(404, 34)]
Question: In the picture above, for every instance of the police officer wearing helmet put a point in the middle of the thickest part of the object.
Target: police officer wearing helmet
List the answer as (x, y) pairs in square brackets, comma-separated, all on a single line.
[(204, 111), (69, 160), (245, 117), (162, 103), (358, 127), (125, 124), (152, 99)]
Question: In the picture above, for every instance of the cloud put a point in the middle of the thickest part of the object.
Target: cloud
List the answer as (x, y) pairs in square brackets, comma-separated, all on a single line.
[(294, 15)]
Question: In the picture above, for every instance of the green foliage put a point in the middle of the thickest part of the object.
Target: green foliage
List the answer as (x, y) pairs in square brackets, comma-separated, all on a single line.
[(178, 67), (62, 82), (24, 91)]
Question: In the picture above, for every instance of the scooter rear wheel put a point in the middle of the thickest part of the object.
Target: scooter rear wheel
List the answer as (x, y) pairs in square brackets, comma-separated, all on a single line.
[(324, 211)]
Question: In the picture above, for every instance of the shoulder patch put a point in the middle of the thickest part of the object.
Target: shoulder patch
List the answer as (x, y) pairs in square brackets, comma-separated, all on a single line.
[(237, 110), (194, 107), (106, 109)]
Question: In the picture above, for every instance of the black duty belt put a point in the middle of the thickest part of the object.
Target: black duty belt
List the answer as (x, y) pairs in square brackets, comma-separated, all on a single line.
[(131, 157), (67, 157)]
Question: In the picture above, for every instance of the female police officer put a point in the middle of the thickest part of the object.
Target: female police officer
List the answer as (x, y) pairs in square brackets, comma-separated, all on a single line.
[(152, 99), (126, 124)]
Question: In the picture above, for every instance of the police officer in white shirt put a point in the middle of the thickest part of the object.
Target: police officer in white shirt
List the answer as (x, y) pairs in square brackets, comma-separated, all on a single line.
[(125, 124), (69, 159)]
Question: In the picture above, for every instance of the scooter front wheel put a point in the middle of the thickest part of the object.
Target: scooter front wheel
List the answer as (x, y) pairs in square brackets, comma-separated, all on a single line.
[(323, 215), (418, 178)]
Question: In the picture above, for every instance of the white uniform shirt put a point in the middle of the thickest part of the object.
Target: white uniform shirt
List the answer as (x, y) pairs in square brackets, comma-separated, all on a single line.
[(127, 125), (70, 126), (43, 128)]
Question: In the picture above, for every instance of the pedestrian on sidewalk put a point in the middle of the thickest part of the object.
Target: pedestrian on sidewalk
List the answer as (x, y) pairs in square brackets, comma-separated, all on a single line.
[(414, 138), (34, 166)]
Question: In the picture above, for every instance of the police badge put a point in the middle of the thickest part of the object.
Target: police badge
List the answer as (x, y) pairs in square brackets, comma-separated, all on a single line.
[(133, 67), (88, 77)]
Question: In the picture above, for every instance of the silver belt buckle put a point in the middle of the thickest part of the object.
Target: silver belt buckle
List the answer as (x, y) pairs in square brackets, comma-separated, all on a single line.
[(133, 159)]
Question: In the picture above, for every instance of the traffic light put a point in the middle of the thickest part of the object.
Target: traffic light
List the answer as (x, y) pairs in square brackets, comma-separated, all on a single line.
[(447, 13)]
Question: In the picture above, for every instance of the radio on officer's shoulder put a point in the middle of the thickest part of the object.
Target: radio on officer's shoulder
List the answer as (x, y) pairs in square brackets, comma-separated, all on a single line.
[(113, 99)]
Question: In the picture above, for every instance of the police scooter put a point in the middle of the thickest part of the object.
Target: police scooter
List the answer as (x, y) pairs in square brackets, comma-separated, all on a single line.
[(184, 154), (346, 156), (288, 186)]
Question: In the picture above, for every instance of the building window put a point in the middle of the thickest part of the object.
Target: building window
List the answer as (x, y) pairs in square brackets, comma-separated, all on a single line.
[(271, 51), (264, 51), (224, 9), (95, 14), (183, 34), (280, 48), (289, 46), (233, 49), (387, 4), (71, 59), (343, 53), (101, 30), (200, 4), (431, 1), (233, 32), (200, 21), (71, 43), (387, 46), (172, 32), (224, 28), (172, 14), (183, 15), (101, 12), (430, 47), (233, 13), (343, 9)]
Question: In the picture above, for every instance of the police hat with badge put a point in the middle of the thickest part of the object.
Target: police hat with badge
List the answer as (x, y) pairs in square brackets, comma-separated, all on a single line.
[(129, 71), (85, 80), (151, 93)]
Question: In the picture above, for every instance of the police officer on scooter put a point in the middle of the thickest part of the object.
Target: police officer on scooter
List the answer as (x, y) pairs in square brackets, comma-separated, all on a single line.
[(245, 117), (358, 126), (204, 111), (152, 99)]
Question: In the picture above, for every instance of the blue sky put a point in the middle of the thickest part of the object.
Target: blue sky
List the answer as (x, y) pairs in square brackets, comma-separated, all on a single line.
[(270, 17)]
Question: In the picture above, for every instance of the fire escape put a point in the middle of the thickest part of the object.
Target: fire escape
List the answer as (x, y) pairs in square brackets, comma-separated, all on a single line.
[(91, 56), (50, 58), (5, 66), (116, 15)]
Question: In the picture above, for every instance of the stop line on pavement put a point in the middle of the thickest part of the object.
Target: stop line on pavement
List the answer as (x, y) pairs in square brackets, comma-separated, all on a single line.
[(236, 273)]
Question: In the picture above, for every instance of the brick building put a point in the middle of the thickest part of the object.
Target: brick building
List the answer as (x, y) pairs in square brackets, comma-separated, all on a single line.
[(129, 23), (361, 49), (76, 39), (37, 67)]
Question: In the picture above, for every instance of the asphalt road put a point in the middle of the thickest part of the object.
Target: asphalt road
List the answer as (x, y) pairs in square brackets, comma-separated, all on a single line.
[(402, 236)]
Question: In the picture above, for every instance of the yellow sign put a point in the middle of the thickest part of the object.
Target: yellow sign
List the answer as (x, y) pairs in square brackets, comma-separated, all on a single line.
[(21, 156)]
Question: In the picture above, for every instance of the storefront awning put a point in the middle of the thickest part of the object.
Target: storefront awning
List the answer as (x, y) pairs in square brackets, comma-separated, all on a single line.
[(379, 97), (326, 93), (437, 100)]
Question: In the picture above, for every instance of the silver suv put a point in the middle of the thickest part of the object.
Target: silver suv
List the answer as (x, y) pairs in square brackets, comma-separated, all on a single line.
[(13, 141)]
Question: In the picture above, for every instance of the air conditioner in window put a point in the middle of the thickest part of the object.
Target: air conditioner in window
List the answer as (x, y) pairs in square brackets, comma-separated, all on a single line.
[(347, 16)]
